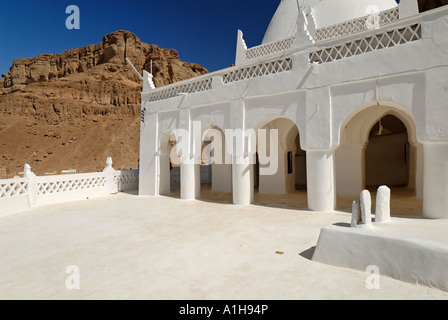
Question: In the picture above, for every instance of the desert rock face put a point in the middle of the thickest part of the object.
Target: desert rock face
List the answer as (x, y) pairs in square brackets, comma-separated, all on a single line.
[(74, 109)]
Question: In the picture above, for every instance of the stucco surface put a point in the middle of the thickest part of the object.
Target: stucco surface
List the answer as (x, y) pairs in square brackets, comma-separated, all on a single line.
[(129, 247)]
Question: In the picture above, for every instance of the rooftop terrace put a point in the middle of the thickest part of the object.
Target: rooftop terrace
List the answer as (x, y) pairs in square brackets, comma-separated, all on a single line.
[(130, 247)]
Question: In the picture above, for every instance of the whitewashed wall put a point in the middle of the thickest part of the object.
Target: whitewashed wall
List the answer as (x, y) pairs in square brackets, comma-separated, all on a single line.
[(23, 193)]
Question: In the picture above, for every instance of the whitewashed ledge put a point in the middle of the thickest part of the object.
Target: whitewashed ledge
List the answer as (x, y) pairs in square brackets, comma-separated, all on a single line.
[(23, 193), (411, 250)]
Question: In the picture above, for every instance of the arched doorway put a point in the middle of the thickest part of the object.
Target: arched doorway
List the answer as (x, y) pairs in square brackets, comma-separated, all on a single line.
[(378, 146), (286, 185), (388, 152)]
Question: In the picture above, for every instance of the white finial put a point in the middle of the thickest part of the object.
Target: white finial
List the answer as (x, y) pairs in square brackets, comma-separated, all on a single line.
[(148, 84), (27, 173), (109, 167)]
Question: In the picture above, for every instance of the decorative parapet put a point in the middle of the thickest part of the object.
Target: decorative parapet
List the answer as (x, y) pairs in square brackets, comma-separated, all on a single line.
[(126, 180), (269, 49), (307, 33), (258, 70), (68, 183), (174, 90), (23, 193), (385, 39), (372, 21), (13, 187), (305, 37)]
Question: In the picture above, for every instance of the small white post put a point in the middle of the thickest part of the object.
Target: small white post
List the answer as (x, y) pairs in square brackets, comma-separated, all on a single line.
[(382, 207), (32, 184), (109, 167), (356, 213), (148, 83), (110, 172), (311, 26), (241, 49), (366, 208), (302, 36)]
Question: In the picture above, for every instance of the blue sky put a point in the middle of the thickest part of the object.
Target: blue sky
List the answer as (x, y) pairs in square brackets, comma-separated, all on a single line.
[(203, 31)]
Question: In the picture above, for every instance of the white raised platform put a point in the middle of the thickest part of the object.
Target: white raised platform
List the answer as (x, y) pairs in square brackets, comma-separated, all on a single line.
[(412, 250)]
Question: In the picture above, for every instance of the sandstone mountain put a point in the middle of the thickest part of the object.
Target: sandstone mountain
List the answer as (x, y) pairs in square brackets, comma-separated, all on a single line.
[(73, 110)]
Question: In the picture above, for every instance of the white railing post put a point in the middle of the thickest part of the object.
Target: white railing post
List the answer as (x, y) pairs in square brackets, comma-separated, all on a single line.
[(148, 83), (241, 49), (32, 184), (110, 172), (302, 37), (408, 8)]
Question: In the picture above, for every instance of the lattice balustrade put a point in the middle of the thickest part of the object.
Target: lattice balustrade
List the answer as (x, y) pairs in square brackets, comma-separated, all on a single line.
[(68, 185), (126, 178), (356, 25), (258, 70), (372, 43), (11, 188), (269, 48), (191, 87)]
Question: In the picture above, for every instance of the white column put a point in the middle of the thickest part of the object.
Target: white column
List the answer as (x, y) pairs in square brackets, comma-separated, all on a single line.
[(243, 182), (242, 160), (321, 180), (188, 176), (435, 180)]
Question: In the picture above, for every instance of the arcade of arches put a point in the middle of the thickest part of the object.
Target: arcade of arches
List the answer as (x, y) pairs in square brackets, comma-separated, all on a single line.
[(374, 150)]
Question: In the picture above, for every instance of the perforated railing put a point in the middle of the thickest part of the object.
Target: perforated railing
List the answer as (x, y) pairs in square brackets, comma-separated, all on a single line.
[(375, 42), (269, 48), (23, 193), (13, 187), (126, 179), (69, 183), (259, 70), (173, 91), (356, 25)]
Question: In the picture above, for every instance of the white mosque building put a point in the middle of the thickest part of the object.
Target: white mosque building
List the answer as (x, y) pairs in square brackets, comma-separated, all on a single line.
[(358, 93)]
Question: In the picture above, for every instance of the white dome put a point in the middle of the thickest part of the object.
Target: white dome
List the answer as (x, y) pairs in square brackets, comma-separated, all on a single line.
[(326, 13)]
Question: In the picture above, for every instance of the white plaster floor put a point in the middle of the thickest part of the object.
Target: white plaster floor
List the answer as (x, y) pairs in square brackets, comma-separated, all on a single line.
[(130, 247)]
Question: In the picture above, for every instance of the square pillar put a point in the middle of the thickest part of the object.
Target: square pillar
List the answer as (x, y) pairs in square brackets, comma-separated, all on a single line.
[(149, 157)]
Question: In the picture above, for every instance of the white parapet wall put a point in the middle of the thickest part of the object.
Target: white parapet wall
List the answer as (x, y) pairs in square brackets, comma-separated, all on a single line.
[(23, 193)]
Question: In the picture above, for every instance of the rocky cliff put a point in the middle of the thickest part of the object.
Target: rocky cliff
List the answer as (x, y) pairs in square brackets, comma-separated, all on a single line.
[(74, 109)]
